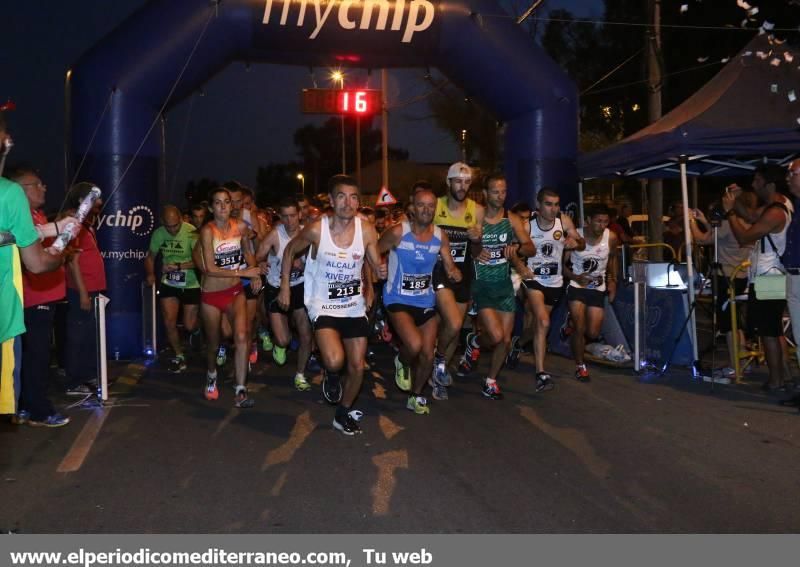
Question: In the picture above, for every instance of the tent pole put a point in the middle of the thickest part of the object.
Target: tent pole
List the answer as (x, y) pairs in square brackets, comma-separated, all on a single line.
[(580, 204), (689, 260)]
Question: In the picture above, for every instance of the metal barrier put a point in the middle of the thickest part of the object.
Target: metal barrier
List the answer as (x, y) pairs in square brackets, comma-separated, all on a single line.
[(640, 363), (149, 320), (100, 303)]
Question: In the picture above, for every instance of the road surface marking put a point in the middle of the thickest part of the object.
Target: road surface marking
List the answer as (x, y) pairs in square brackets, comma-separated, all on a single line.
[(384, 486), (278, 486), (378, 391), (83, 443), (300, 432), (225, 422), (388, 427), (573, 440)]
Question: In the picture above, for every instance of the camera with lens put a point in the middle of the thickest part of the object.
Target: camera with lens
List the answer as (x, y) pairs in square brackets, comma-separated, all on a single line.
[(716, 216)]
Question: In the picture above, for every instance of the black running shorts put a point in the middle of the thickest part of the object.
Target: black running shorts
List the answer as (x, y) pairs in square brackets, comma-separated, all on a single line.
[(347, 327), (186, 295), (420, 315), (551, 294)]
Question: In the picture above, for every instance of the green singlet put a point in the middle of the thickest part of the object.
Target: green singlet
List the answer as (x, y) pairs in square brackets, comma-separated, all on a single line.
[(492, 287), (174, 250)]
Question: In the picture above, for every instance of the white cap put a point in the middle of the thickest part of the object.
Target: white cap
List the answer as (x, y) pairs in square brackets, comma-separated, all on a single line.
[(459, 170)]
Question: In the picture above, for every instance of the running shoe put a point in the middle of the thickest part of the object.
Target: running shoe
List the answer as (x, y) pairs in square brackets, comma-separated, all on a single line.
[(582, 373), (253, 353), (55, 420), (279, 355), (544, 382), (464, 367), (439, 391), (512, 358), (266, 341), (313, 365), (472, 352), (177, 364), (418, 405), (402, 375), (21, 417), (240, 399), (211, 392), (331, 388), (440, 374), (492, 391), (222, 355), (349, 424), (300, 383)]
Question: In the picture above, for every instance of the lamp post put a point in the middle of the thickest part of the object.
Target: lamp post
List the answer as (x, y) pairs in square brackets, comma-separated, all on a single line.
[(302, 179), (338, 77)]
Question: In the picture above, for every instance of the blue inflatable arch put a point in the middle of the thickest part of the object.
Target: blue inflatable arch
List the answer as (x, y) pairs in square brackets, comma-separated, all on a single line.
[(474, 43)]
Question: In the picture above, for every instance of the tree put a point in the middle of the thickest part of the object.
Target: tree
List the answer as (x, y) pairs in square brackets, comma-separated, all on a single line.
[(320, 149)]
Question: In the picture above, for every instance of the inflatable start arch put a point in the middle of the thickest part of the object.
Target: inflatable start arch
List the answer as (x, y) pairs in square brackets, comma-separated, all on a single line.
[(474, 43)]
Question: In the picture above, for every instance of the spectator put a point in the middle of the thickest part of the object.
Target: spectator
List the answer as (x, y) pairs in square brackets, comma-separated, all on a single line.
[(16, 223), (791, 258), (622, 219), (767, 234), (41, 293), (615, 226), (86, 278), (730, 255), (673, 230)]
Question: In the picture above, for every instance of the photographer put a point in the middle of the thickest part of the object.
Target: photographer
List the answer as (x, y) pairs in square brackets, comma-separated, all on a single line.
[(729, 255)]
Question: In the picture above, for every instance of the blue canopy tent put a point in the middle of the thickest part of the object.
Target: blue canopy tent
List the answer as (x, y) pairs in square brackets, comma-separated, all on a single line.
[(746, 115)]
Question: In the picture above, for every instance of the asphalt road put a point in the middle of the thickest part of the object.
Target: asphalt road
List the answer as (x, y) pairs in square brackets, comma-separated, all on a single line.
[(615, 455)]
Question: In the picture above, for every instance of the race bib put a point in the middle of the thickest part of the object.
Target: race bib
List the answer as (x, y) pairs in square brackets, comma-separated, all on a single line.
[(343, 290), (228, 260), (176, 278), (496, 254), (458, 250), (546, 270), (295, 275), (415, 284)]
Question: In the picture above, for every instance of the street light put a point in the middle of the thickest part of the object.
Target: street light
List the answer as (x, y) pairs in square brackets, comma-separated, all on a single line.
[(338, 76), (302, 179)]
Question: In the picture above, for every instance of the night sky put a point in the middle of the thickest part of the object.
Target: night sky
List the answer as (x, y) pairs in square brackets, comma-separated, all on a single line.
[(46, 37)]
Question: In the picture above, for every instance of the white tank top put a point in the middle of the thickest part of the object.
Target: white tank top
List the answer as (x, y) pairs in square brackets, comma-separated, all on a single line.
[(547, 264), (592, 261), (333, 278), (763, 259), (274, 262)]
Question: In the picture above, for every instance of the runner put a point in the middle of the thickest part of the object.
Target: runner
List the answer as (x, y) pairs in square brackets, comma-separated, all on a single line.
[(551, 233), (461, 219), (174, 240), (522, 317), (241, 207), (492, 289), (592, 273), (414, 247), (225, 262), (272, 248), (335, 296)]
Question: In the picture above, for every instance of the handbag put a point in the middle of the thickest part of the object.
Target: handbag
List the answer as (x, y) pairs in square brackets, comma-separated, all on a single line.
[(770, 285)]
